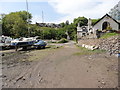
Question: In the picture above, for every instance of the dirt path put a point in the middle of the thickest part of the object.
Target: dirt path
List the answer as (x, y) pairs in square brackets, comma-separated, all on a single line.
[(61, 68)]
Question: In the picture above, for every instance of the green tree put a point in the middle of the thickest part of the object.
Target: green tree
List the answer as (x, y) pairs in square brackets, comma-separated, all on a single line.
[(94, 21), (67, 22), (15, 24), (61, 33), (82, 20), (62, 24), (71, 29)]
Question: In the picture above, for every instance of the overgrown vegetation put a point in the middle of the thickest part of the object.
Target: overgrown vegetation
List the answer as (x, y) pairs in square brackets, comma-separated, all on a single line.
[(84, 51), (16, 24), (63, 40), (94, 21), (107, 35)]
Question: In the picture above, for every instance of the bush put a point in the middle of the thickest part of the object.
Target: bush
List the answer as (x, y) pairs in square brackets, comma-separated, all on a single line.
[(109, 28), (63, 40)]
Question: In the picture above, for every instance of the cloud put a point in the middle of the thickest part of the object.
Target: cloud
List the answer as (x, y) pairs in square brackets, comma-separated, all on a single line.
[(23, 0), (71, 9), (88, 8), (36, 18)]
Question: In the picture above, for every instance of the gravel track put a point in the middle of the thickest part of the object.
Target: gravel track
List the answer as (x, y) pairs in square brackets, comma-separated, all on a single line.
[(59, 68)]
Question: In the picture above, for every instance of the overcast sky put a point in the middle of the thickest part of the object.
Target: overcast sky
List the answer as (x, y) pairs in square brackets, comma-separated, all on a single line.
[(58, 11)]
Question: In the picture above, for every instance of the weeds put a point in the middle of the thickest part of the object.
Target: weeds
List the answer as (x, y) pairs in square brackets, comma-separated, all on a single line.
[(107, 35), (84, 51)]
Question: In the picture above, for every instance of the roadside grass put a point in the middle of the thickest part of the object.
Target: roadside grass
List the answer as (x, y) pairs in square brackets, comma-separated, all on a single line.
[(37, 55), (107, 35), (84, 51), (52, 42), (63, 40), (53, 47)]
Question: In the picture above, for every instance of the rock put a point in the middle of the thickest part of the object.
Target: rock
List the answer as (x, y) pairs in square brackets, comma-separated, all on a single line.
[(40, 80), (99, 81), (5, 84), (89, 66), (39, 74), (111, 45), (103, 83), (3, 54), (3, 76), (19, 78), (8, 80), (18, 86), (2, 85), (24, 78)]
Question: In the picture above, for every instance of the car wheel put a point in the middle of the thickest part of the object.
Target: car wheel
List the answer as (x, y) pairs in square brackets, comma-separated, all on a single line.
[(39, 47), (43, 47), (24, 48)]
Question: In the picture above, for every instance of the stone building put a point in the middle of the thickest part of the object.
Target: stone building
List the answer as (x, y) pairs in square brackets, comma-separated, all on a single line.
[(84, 30), (102, 24), (81, 31), (106, 21)]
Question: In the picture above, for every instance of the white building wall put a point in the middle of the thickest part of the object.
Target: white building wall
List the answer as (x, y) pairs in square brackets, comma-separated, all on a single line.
[(113, 24)]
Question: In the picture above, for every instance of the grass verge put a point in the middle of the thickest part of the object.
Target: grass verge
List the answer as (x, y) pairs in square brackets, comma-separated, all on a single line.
[(37, 55), (84, 51), (107, 35)]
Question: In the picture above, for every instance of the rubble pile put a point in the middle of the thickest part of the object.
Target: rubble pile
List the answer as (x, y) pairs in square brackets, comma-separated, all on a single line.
[(111, 45)]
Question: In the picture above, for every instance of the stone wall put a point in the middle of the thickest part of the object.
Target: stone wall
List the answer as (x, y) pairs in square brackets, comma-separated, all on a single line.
[(112, 45)]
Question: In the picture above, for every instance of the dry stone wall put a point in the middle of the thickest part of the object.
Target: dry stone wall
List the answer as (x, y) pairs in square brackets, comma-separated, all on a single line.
[(112, 44)]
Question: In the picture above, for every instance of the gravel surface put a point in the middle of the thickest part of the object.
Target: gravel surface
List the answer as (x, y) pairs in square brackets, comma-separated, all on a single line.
[(59, 68)]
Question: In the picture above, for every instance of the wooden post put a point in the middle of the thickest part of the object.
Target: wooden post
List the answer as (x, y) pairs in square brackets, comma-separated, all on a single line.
[(16, 47)]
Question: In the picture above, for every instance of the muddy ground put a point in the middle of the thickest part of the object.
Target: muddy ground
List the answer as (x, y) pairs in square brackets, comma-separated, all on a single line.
[(59, 67)]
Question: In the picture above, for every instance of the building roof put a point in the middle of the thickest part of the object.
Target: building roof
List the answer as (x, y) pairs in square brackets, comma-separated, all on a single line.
[(109, 17)]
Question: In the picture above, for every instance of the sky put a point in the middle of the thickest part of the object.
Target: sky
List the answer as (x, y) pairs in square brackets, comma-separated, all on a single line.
[(57, 11)]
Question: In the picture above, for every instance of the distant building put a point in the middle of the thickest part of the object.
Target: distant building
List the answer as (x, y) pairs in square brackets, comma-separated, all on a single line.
[(115, 12), (81, 30), (52, 25)]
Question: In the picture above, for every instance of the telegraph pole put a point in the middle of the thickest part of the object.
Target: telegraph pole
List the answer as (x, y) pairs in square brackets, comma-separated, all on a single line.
[(43, 22), (27, 18), (42, 17)]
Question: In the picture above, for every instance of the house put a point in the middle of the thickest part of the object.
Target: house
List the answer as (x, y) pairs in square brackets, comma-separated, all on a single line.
[(52, 25), (106, 21), (81, 31), (102, 24)]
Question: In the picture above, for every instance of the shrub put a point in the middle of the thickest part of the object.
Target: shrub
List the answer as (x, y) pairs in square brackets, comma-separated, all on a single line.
[(109, 28), (63, 40)]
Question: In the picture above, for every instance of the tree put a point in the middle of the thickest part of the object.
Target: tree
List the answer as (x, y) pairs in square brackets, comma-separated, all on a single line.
[(62, 24), (94, 21), (1, 17), (67, 22), (15, 24), (82, 20), (61, 33), (71, 29)]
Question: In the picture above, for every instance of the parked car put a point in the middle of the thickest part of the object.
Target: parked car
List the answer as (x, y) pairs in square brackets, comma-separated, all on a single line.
[(40, 44)]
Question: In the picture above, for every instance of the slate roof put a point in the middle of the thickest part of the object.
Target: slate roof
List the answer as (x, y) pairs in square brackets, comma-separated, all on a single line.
[(109, 17)]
